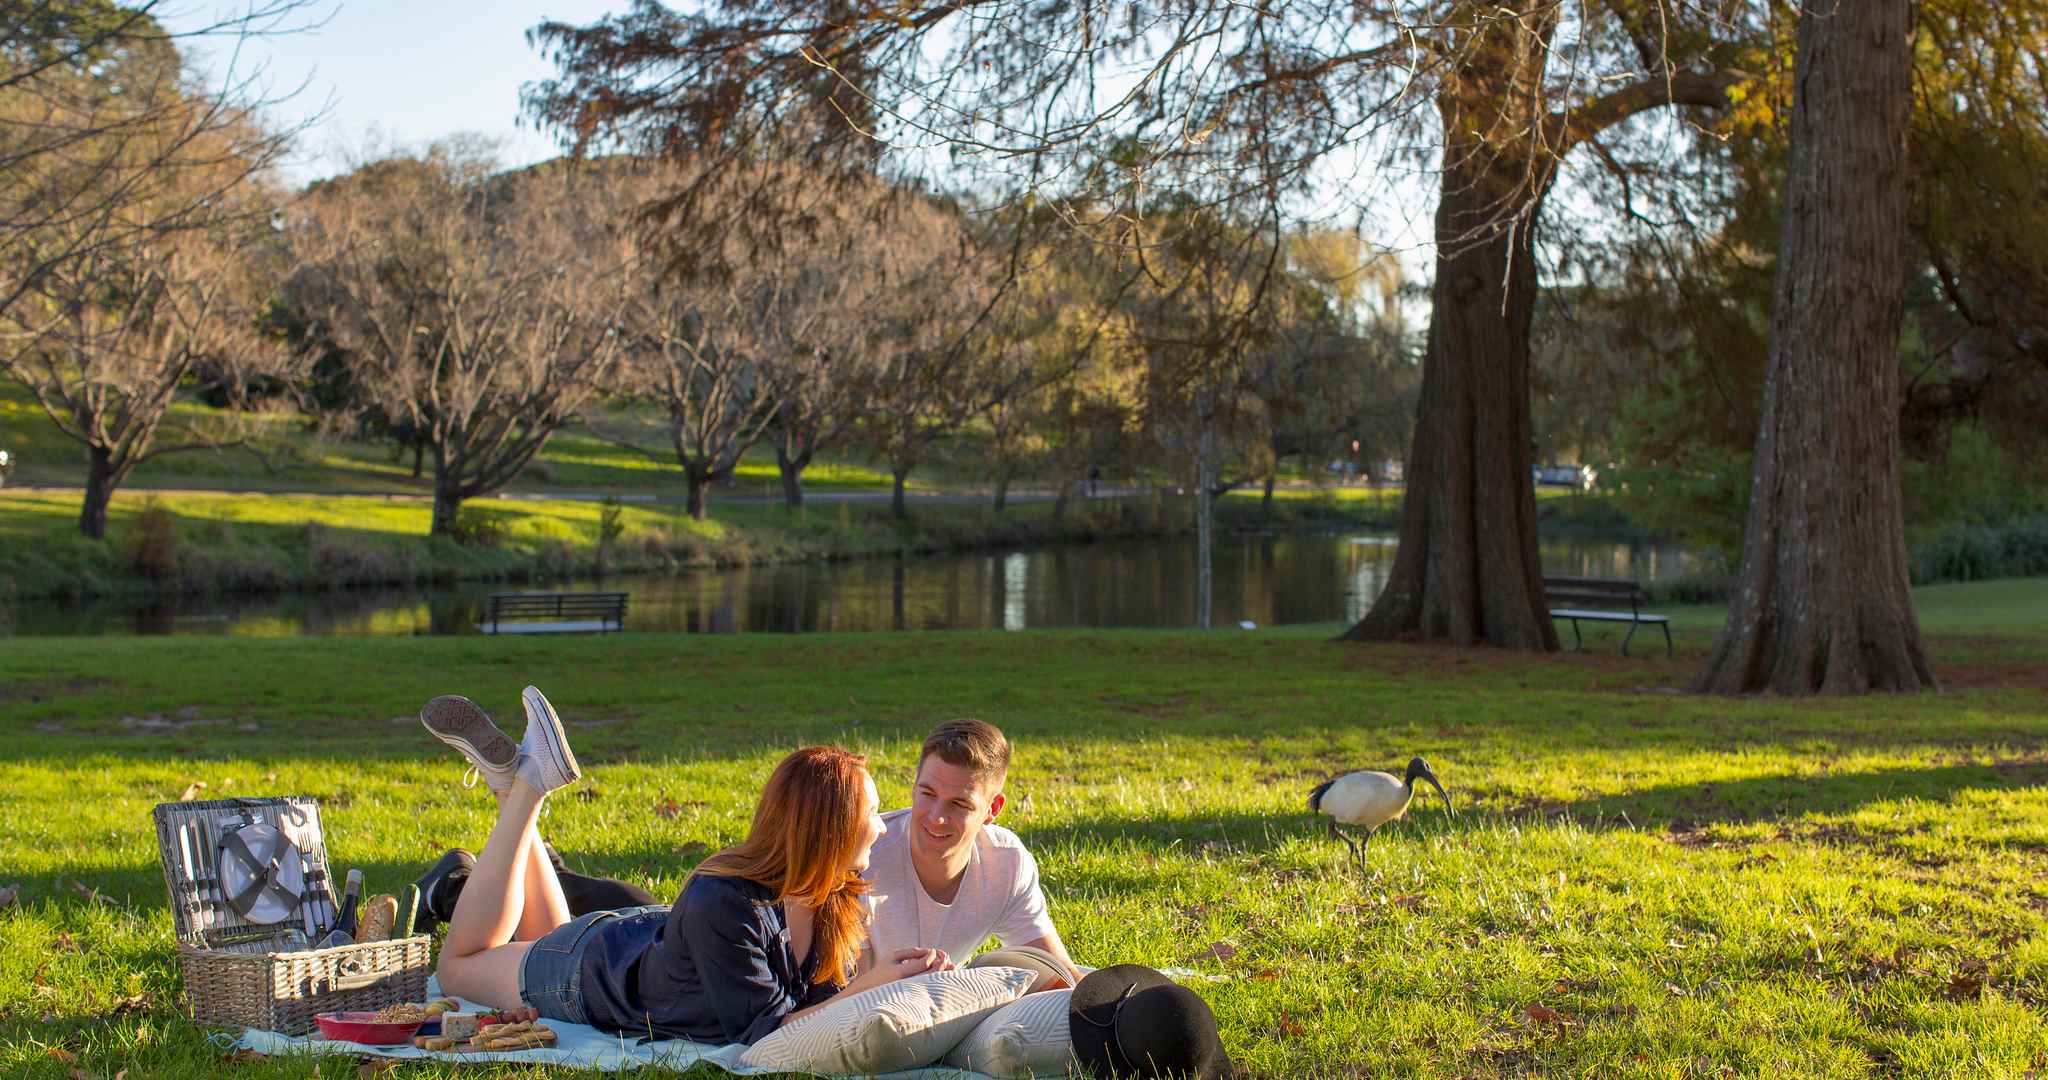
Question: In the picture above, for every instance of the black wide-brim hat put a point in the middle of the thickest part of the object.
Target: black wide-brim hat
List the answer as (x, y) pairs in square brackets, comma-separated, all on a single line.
[(1130, 1020)]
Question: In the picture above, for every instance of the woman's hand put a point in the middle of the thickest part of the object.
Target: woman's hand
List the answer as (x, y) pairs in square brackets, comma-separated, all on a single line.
[(900, 965)]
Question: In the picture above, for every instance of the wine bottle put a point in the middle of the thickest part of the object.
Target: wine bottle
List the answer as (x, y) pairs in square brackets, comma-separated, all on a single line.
[(345, 914)]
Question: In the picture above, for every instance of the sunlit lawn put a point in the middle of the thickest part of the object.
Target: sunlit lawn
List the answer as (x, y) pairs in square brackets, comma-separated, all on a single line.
[(291, 457), (1639, 883)]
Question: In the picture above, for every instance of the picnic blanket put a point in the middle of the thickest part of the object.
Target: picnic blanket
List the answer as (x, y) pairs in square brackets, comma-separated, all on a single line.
[(577, 1045), (584, 1047)]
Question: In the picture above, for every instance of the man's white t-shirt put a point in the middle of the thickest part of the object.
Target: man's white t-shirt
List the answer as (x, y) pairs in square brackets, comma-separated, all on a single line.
[(998, 895)]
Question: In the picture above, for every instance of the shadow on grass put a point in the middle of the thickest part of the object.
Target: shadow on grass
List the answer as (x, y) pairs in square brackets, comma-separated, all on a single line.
[(1783, 798)]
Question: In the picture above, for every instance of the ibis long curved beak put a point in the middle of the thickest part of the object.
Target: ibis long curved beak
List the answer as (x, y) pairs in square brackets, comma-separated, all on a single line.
[(1431, 777)]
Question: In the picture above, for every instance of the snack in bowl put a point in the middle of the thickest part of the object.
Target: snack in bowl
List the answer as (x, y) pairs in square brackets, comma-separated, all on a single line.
[(367, 1028)]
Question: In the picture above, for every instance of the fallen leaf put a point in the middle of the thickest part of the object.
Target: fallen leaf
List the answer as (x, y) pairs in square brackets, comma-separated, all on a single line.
[(1266, 975), (90, 893), (270, 778), (7, 895), (1965, 987), (132, 1003), (192, 790), (667, 808), (243, 1057), (122, 1075), (1290, 1027), (61, 1054), (695, 849), (80, 1074), (1219, 950), (1544, 1014), (65, 944), (1411, 901), (587, 794), (375, 1067)]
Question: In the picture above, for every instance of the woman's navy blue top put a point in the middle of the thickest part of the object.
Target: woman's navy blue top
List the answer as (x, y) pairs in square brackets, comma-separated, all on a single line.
[(719, 970)]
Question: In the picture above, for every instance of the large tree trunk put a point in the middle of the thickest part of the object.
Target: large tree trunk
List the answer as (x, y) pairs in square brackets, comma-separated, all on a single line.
[(447, 500), (1823, 603), (100, 481), (897, 505), (699, 481), (792, 470), (1467, 570), (1002, 488)]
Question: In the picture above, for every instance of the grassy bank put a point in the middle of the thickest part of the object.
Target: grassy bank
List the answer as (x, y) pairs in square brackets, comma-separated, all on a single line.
[(1640, 883), (217, 542)]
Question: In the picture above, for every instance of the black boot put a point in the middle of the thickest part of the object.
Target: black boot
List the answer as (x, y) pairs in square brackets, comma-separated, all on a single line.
[(439, 888)]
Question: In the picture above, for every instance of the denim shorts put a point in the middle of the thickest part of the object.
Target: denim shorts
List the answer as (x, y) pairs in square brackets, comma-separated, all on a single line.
[(551, 976)]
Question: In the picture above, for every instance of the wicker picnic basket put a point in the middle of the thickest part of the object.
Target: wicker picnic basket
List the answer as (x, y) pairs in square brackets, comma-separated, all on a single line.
[(266, 974)]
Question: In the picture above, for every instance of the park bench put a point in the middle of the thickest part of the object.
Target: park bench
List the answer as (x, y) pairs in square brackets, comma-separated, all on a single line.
[(1605, 593), (554, 613)]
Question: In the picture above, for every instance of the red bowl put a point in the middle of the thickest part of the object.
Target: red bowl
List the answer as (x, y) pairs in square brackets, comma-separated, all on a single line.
[(365, 1028)]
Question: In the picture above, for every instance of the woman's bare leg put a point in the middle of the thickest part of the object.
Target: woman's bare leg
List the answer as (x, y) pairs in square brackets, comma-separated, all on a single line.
[(546, 905), (479, 959)]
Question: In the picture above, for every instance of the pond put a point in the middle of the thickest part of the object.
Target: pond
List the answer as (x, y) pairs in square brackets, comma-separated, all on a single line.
[(1266, 579)]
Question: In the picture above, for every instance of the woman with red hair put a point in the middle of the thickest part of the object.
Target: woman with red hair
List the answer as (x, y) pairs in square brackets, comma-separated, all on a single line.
[(764, 931)]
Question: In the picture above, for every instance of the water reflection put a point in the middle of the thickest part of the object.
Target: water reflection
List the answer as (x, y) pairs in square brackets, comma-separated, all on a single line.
[(1269, 580)]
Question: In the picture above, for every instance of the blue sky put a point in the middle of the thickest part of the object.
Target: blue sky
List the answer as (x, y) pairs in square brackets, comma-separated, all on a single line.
[(408, 70)]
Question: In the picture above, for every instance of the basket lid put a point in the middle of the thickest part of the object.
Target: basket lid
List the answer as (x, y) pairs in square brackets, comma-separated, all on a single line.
[(246, 875)]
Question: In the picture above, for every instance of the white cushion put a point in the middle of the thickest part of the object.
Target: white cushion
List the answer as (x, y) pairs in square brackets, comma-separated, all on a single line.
[(905, 1024), (1027, 1037)]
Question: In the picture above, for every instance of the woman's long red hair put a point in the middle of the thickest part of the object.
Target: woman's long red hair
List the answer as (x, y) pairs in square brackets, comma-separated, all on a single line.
[(806, 827)]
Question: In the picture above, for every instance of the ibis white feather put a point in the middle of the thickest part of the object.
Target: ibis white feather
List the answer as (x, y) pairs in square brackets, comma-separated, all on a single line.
[(1369, 799)]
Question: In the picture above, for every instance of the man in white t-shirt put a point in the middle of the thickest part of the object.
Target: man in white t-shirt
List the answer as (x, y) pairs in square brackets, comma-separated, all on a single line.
[(944, 875)]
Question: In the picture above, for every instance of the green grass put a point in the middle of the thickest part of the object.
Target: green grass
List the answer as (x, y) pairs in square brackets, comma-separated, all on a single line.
[(1692, 887)]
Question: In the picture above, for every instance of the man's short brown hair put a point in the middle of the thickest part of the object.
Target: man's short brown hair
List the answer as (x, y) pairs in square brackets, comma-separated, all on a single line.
[(974, 745)]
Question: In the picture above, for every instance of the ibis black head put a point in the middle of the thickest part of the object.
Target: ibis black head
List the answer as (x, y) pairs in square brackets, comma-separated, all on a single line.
[(1418, 769)]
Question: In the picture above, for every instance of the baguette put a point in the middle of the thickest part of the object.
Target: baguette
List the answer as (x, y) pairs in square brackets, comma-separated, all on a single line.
[(525, 1040)]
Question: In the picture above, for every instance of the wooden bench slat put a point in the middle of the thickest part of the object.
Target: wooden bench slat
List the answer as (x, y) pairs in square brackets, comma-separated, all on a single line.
[(1606, 616)]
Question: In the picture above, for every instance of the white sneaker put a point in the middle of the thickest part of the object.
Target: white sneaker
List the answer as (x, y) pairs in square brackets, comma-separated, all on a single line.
[(458, 721), (545, 760)]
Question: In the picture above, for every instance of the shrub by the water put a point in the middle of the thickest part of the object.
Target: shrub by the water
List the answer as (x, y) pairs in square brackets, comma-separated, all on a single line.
[(153, 543), (2015, 548)]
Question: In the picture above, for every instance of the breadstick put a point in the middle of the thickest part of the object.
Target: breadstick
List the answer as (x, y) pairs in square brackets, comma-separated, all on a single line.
[(489, 1030), (524, 1041)]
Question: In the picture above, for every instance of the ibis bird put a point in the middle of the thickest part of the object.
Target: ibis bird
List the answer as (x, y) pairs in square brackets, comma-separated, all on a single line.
[(1370, 799)]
